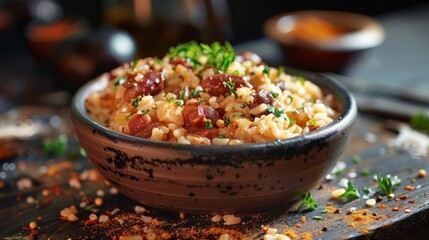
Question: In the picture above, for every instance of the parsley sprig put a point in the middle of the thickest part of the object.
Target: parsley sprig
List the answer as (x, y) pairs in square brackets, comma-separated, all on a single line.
[(351, 192), (218, 55), (278, 112), (387, 184), (308, 203)]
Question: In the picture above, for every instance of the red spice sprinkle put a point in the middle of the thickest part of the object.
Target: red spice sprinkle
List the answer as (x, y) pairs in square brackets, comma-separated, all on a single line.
[(388, 216), (396, 199), (34, 231), (402, 197), (298, 225), (412, 201), (381, 205), (409, 187), (48, 201), (26, 228), (395, 209), (64, 218), (90, 222)]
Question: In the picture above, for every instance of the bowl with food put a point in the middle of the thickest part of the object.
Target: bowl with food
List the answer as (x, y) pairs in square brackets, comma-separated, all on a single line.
[(206, 130), (321, 40)]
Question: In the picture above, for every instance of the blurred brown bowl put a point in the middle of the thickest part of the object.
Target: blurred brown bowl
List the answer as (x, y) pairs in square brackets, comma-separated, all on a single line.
[(44, 38), (323, 40)]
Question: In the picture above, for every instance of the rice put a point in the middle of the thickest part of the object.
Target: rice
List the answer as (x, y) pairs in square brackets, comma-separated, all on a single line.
[(187, 99)]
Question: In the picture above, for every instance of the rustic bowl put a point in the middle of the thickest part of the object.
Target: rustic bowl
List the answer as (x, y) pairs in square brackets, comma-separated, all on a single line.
[(215, 179), (323, 40)]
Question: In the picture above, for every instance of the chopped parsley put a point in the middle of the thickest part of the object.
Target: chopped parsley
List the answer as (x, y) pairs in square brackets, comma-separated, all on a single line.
[(351, 192), (57, 146), (194, 93), (281, 70), (120, 81), (308, 203), (182, 95), (135, 62), (236, 72), (274, 94), (266, 70), (365, 172), (201, 100), (136, 101), (387, 184), (157, 61), (231, 86), (243, 106), (218, 55), (292, 122), (290, 98), (128, 117), (209, 124), (356, 159), (300, 79), (420, 121), (312, 122), (278, 112), (236, 115), (227, 121), (171, 100)]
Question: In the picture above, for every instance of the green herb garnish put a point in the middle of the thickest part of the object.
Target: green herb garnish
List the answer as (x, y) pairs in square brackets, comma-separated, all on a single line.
[(281, 70), (136, 101), (231, 86), (57, 146), (274, 94), (292, 122), (182, 95), (209, 124), (236, 72), (227, 121), (219, 56), (128, 117), (91, 208), (300, 79), (351, 192), (312, 122), (387, 184), (243, 106), (317, 217), (365, 172), (266, 70), (194, 93), (420, 121), (235, 115), (135, 62), (120, 81), (157, 61), (290, 98), (308, 203), (278, 112), (356, 159)]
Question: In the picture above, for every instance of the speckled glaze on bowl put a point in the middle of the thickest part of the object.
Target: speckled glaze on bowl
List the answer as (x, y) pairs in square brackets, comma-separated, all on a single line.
[(221, 179)]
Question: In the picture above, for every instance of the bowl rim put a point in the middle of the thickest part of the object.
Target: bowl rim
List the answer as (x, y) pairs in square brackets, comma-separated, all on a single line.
[(346, 117), (370, 35)]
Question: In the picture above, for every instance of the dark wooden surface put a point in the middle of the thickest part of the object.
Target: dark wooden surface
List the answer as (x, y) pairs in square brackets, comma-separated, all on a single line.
[(16, 213)]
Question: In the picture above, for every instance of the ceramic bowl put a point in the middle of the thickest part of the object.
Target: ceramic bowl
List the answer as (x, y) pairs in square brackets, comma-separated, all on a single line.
[(323, 40), (215, 179)]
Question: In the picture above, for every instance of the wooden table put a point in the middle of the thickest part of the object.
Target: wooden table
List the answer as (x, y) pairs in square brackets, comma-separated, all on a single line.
[(370, 137)]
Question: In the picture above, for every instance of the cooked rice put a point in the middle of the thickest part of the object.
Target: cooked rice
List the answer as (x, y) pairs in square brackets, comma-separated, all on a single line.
[(297, 106)]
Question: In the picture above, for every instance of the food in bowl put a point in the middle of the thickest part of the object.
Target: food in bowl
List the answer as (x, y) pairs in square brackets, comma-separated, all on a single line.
[(205, 94), (215, 178), (320, 40)]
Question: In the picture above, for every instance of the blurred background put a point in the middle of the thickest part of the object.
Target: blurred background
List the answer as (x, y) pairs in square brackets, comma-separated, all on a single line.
[(49, 48)]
